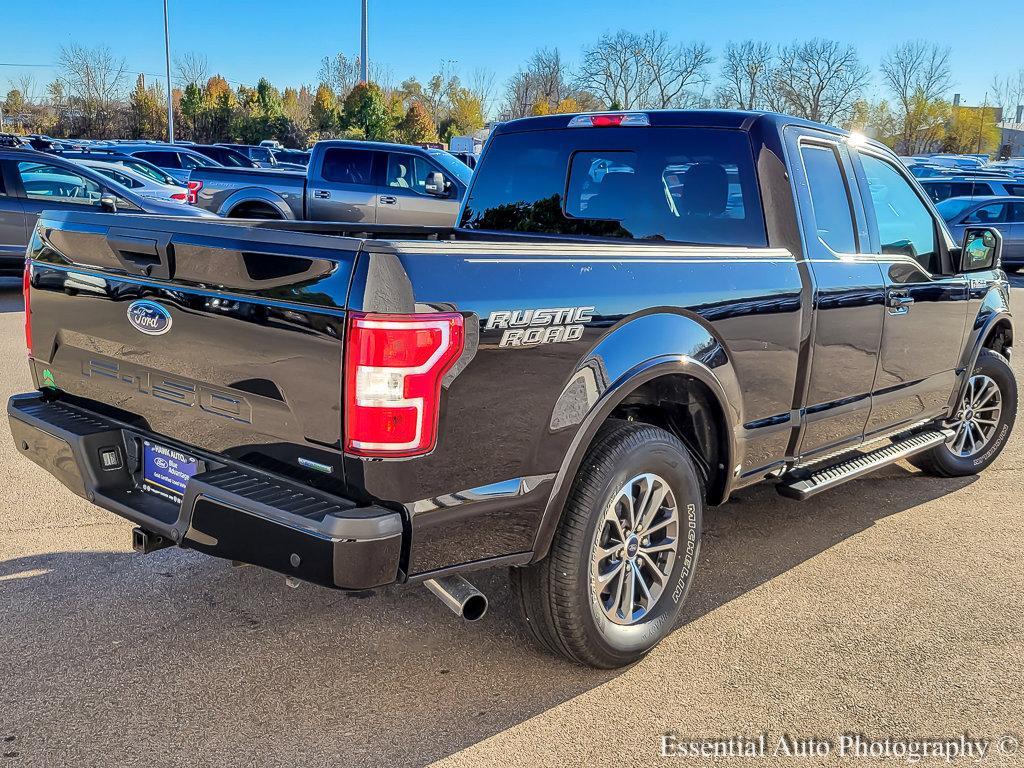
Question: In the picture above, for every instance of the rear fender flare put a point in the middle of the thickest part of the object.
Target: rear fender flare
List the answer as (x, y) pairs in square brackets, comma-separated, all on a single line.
[(256, 195), (634, 352)]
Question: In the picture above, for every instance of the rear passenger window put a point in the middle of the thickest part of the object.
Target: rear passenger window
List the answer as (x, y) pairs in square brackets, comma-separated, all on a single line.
[(905, 226), (161, 159), (1011, 189), (683, 185), (829, 198), (987, 214), (939, 191), (348, 166)]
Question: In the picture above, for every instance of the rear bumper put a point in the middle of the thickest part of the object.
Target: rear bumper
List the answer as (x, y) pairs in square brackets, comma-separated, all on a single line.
[(228, 510)]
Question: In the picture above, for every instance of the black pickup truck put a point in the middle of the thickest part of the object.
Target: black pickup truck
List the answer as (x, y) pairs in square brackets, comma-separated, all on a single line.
[(638, 314)]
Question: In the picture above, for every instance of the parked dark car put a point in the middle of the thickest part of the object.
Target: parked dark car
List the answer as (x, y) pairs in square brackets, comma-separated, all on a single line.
[(939, 189), (226, 156), (637, 315), (291, 156), (262, 156), (1005, 214), (31, 182), (177, 160), (350, 181), (136, 164)]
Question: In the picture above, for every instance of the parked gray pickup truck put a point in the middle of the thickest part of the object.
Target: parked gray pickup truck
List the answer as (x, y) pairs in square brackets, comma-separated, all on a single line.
[(349, 181)]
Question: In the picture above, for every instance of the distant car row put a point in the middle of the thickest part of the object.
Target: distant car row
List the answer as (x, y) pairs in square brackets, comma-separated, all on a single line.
[(32, 181), (348, 181), (267, 154)]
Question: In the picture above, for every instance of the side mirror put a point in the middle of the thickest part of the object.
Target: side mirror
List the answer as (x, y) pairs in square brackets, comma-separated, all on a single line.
[(437, 185), (108, 204), (982, 249)]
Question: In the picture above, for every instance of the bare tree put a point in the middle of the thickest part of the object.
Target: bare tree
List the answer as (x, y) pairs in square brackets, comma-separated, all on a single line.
[(1008, 93), (673, 71), (550, 75), (918, 75), (191, 69), (612, 69), (818, 80), (481, 85), (543, 80), (746, 75), (92, 81), (26, 84), (341, 73), (519, 96)]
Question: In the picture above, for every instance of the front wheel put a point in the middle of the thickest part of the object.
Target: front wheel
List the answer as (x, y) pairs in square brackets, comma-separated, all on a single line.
[(982, 422), (625, 552)]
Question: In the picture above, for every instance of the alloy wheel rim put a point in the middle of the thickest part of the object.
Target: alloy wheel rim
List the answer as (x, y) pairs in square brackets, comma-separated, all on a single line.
[(634, 549), (977, 418)]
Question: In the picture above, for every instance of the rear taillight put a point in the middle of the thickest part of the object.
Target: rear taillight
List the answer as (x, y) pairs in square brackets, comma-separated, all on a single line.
[(181, 197), (193, 191), (26, 286), (610, 120), (394, 365)]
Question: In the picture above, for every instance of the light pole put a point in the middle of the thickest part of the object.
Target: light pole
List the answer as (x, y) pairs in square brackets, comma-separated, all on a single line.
[(364, 52), (170, 99)]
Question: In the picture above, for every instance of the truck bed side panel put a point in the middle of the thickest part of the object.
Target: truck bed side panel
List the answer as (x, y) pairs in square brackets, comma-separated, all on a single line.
[(220, 184), (503, 438)]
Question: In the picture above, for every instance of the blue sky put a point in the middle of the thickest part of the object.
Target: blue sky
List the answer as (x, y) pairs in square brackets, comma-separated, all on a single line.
[(286, 40)]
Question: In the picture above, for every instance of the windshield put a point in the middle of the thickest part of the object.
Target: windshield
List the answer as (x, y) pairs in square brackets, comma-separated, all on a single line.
[(454, 166), (233, 159), (196, 159), (952, 207), (149, 171)]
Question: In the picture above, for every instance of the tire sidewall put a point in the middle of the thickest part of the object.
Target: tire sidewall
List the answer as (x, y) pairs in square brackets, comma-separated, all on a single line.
[(994, 366), (668, 459)]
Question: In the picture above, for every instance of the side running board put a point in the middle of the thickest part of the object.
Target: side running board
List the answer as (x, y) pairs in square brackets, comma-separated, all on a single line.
[(802, 484)]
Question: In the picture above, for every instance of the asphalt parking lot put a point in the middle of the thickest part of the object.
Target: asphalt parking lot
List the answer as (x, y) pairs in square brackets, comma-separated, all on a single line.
[(889, 607)]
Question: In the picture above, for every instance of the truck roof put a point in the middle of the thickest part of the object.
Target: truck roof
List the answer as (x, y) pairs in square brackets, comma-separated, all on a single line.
[(675, 118), (379, 145)]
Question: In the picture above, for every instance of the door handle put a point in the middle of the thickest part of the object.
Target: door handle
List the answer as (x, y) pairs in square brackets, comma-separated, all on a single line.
[(899, 302), (322, 194), (387, 200)]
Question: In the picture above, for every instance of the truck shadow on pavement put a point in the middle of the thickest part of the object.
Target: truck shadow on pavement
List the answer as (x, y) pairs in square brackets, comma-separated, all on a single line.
[(108, 654)]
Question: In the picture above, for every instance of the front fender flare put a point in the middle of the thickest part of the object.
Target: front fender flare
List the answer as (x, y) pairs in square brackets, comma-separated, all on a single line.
[(994, 310), (634, 352)]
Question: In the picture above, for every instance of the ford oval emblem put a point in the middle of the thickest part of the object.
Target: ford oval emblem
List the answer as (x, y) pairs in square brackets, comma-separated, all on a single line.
[(149, 317)]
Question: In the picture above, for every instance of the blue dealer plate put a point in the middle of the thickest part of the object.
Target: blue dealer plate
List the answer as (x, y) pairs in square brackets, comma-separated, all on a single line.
[(166, 471)]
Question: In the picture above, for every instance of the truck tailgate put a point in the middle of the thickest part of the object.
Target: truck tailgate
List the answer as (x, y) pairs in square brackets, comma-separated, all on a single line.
[(220, 336)]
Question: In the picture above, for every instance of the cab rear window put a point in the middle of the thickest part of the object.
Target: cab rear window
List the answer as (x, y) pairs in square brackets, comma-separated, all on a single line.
[(686, 185)]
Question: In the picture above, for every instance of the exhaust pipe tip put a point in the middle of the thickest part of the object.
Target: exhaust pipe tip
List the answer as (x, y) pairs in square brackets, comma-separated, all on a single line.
[(474, 608), (461, 597)]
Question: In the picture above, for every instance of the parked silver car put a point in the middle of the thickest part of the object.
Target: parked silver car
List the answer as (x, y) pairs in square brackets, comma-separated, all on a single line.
[(1004, 213)]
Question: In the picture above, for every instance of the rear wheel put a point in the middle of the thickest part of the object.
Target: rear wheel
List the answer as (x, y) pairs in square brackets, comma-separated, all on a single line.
[(982, 422), (624, 554), (255, 212)]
